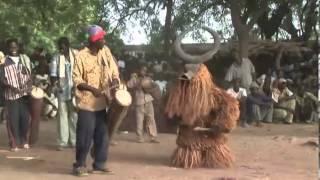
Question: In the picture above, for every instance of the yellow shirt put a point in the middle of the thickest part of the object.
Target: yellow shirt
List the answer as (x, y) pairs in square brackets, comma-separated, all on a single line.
[(96, 71)]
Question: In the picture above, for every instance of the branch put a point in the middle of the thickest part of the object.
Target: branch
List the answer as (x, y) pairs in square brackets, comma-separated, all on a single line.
[(103, 11), (270, 26), (289, 27), (256, 16), (129, 15)]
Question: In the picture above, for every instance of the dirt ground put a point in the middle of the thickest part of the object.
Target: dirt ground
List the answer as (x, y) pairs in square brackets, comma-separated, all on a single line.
[(277, 152)]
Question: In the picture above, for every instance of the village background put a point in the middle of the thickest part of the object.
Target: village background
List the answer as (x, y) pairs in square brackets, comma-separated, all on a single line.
[(273, 34)]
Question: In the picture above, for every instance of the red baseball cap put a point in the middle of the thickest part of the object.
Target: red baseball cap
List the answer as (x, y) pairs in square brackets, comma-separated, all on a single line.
[(95, 33)]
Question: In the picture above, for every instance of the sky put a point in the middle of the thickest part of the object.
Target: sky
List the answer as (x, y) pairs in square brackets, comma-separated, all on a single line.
[(136, 34)]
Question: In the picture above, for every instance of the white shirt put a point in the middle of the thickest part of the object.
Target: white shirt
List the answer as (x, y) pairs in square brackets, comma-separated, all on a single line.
[(15, 59), (121, 64), (276, 94), (243, 71), (162, 85), (238, 95)]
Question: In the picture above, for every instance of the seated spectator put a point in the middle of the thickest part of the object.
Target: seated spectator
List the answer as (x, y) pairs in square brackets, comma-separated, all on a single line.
[(285, 102), (307, 105), (260, 106), (311, 80), (240, 94)]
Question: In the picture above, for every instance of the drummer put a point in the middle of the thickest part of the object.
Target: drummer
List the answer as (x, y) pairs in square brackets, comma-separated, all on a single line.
[(143, 107), (61, 69), (15, 76), (94, 72)]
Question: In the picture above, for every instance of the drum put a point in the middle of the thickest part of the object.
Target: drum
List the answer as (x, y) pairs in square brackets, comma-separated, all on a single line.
[(146, 83), (51, 106), (36, 104), (37, 93), (118, 110), (154, 90), (123, 97)]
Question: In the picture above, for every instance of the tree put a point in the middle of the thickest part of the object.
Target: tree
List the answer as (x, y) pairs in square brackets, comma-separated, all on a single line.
[(41, 22), (270, 24), (306, 17), (243, 22)]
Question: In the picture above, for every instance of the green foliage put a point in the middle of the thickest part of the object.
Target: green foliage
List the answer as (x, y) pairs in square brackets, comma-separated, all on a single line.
[(42, 22)]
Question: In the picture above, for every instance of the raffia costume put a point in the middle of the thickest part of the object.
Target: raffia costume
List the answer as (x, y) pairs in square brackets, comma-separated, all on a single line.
[(205, 114)]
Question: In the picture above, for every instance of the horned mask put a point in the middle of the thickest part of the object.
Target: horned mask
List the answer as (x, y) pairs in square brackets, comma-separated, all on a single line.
[(193, 62)]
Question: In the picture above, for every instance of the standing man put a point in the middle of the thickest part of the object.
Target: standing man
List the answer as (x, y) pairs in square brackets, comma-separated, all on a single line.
[(61, 77), (15, 76), (242, 69), (94, 73), (143, 106)]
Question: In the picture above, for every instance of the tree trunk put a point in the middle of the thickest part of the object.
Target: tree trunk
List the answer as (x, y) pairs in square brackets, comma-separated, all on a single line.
[(310, 20), (242, 30), (168, 27)]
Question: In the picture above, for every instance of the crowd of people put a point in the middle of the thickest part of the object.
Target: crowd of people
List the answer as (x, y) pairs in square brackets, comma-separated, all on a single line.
[(78, 87), (280, 95)]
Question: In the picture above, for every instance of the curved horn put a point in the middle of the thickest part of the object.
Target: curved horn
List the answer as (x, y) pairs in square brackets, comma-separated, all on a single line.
[(197, 59)]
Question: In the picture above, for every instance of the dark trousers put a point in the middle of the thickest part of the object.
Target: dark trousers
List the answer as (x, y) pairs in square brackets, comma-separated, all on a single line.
[(92, 126), (18, 121), (243, 111)]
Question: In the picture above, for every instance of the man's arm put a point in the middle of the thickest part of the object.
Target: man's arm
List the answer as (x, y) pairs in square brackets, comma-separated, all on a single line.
[(289, 94), (288, 98), (257, 101), (133, 82), (113, 67), (312, 97), (229, 77), (252, 70), (115, 75)]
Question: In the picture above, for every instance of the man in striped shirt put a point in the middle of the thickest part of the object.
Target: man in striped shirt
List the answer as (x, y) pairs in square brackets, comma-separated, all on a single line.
[(15, 75)]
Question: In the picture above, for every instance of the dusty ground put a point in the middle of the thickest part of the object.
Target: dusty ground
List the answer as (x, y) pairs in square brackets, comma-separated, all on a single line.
[(274, 152)]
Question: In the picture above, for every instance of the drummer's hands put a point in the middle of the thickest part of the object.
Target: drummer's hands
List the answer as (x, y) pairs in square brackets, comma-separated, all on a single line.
[(109, 95), (115, 83), (29, 84), (96, 92), (134, 76)]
